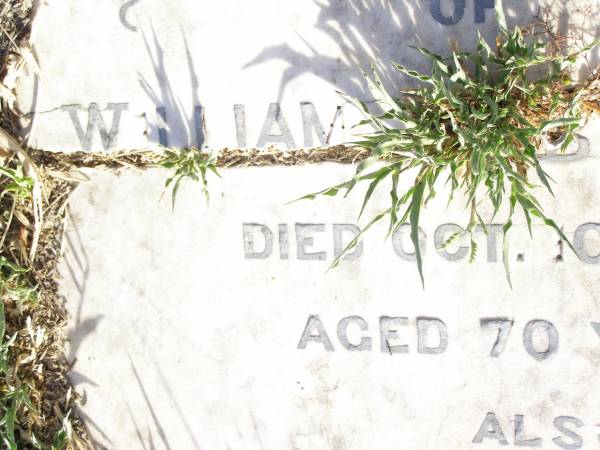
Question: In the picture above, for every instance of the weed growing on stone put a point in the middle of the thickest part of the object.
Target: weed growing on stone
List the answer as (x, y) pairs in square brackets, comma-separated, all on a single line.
[(475, 120), (191, 163)]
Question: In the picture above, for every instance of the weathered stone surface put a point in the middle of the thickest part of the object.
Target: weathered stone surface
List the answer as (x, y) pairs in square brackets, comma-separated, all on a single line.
[(231, 73), (187, 334)]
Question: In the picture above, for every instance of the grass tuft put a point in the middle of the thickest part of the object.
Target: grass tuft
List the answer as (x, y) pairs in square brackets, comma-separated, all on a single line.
[(188, 163), (476, 121)]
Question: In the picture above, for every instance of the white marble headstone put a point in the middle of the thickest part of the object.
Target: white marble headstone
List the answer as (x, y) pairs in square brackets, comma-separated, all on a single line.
[(221, 327), (132, 74)]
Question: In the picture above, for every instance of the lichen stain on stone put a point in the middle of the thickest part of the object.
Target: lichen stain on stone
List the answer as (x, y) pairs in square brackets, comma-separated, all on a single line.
[(541, 411), (556, 396), (338, 443), (591, 355)]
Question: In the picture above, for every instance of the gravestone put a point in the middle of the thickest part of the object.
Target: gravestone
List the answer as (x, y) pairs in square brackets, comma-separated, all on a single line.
[(221, 326), (134, 74)]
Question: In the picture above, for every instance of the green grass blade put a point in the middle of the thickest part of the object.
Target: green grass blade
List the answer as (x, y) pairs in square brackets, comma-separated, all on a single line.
[(415, 211), (506, 251), (383, 173), (500, 16), (357, 238)]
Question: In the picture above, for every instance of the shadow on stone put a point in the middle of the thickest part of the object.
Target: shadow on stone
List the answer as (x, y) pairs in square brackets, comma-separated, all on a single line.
[(379, 32), (171, 116)]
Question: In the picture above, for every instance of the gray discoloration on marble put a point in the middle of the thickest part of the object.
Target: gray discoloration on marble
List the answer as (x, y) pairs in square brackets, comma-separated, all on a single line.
[(275, 129), (96, 123), (490, 430), (305, 238), (504, 327), (390, 331), (342, 330), (343, 234), (424, 324), (240, 125), (314, 331), (284, 252), (123, 15), (400, 238), (550, 333), (579, 242), (250, 245), (568, 427), (442, 234), (520, 436), (312, 126)]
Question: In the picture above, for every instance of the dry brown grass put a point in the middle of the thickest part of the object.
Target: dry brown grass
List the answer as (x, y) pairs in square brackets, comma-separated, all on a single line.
[(226, 158), (32, 234)]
